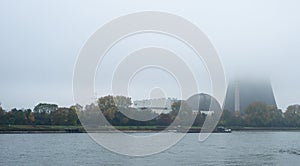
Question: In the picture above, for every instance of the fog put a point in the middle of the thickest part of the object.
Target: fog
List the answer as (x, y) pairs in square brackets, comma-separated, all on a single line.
[(40, 42)]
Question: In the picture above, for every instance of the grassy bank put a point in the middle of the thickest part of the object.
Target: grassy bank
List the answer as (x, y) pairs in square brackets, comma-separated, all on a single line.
[(80, 129), (37, 128), (265, 128), (77, 129)]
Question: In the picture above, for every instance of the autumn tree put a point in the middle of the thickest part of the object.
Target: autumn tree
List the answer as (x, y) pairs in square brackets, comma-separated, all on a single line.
[(29, 116), (110, 106), (292, 116), (262, 115), (59, 116), (72, 118)]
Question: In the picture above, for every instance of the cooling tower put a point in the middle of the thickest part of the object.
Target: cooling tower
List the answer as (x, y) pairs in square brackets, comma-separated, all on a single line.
[(241, 93)]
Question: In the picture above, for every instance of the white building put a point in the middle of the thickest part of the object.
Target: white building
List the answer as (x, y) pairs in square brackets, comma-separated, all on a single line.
[(158, 105)]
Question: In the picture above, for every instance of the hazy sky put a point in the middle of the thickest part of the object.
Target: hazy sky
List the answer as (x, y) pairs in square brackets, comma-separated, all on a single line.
[(40, 41)]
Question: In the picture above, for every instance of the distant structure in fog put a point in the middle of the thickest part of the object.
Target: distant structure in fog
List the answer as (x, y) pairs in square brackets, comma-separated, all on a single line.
[(202, 103), (157, 105), (241, 93)]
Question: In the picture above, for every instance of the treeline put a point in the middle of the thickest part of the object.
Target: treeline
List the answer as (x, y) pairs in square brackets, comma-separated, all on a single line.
[(42, 114), (113, 109), (262, 115)]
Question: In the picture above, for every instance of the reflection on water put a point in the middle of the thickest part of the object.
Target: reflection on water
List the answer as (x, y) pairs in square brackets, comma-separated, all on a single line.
[(237, 148)]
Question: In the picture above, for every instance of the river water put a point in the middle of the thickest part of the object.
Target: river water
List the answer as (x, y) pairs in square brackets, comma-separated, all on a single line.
[(236, 148)]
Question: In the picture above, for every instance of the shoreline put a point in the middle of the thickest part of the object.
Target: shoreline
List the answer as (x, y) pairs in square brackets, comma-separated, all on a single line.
[(45, 129)]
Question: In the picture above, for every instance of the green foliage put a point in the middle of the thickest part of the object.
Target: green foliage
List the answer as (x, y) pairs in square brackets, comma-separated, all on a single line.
[(44, 107), (184, 116), (42, 113), (262, 115), (2, 113), (164, 120), (59, 116), (292, 116), (63, 116), (256, 115), (91, 116), (72, 118)]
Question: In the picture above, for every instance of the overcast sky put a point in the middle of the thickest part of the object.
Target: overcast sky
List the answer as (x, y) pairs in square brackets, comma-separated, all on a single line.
[(40, 41)]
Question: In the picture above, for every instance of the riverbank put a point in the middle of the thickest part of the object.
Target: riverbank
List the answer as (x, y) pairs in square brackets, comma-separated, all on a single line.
[(19, 129), (265, 128), (23, 129)]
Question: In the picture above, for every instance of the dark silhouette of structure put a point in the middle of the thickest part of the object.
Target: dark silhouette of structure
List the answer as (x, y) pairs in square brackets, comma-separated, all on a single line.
[(242, 92), (200, 102)]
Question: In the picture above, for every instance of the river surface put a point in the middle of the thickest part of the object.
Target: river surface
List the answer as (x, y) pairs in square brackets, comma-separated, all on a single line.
[(236, 148)]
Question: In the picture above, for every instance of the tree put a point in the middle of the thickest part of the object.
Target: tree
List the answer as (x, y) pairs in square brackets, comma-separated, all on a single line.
[(262, 115), (72, 118), (110, 105), (1, 111), (44, 107), (292, 116), (164, 120), (175, 108), (91, 116), (59, 116), (16, 117), (122, 101), (106, 103), (29, 116), (230, 118), (42, 113), (77, 107), (2, 114), (183, 115), (120, 119)]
